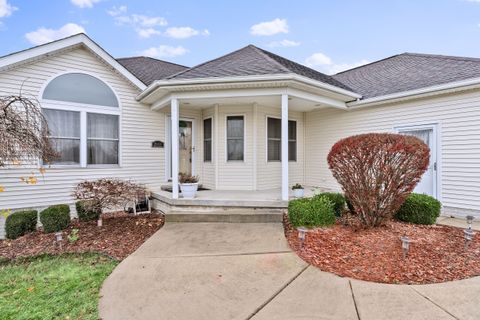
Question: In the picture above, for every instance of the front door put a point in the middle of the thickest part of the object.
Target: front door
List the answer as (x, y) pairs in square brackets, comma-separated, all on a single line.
[(428, 184), (185, 146)]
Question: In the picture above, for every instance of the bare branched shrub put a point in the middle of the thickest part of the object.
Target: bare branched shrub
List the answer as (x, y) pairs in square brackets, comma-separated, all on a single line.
[(107, 193), (23, 131), (377, 172)]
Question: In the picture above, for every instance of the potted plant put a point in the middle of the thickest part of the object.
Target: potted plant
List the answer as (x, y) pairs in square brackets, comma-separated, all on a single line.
[(188, 185), (298, 190)]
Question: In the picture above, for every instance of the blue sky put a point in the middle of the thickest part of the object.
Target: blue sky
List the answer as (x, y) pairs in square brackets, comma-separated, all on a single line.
[(327, 35)]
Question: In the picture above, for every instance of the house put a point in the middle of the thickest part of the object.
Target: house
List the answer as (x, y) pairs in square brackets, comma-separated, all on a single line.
[(250, 123)]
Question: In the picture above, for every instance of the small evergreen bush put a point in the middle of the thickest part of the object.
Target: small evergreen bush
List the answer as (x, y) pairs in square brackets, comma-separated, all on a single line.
[(419, 209), (311, 212), (20, 223), (55, 218), (85, 211), (337, 199)]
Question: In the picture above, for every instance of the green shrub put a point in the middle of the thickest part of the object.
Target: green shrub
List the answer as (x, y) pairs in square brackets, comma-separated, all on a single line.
[(311, 212), (419, 209), (55, 218), (20, 223), (84, 212), (337, 199)]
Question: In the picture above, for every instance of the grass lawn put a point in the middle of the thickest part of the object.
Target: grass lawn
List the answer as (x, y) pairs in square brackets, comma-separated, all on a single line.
[(53, 287)]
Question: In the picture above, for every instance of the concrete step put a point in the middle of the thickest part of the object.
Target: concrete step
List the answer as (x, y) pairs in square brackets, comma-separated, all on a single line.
[(240, 216)]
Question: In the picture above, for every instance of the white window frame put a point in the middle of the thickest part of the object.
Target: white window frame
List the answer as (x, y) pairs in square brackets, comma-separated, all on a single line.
[(83, 109), (203, 139), (266, 139), (244, 137), (436, 142)]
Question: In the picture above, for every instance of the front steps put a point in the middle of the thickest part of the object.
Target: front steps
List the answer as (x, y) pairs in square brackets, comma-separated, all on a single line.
[(229, 215)]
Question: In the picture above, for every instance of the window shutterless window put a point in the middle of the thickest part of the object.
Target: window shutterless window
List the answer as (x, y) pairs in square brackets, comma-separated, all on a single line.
[(235, 138), (274, 139), (207, 140), (64, 134), (102, 138)]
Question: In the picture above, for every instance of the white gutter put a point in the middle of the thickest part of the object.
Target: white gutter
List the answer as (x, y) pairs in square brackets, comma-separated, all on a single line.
[(223, 80), (416, 93)]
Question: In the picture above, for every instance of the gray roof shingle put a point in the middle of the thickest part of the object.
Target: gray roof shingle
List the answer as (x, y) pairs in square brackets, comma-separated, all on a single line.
[(251, 60), (149, 69), (408, 71)]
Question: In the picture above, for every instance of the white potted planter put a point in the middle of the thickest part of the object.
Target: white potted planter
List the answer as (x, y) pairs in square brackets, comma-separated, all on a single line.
[(298, 191), (188, 185)]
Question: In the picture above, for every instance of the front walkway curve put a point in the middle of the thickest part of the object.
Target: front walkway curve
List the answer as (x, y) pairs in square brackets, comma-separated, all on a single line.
[(246, 271)]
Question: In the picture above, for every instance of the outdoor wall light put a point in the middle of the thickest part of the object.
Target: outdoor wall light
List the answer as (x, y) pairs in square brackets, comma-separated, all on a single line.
[(470, 221), (302, 234), (405, 245), (469, 234)]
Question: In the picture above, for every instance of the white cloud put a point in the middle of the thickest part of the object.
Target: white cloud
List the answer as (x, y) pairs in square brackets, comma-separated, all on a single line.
[(6, 9), (43, 35), (145, 26), (284, 43), (184, 32), (84, 3), (164, 51), (269, 28), (325, 64)]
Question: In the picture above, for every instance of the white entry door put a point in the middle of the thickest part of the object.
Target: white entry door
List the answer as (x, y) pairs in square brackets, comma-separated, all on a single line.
[(428, 184), (186, 147)]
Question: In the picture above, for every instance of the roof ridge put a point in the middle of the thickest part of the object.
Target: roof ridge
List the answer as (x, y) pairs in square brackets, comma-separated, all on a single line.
[(208, 61), (264, 54), (428, 55), (368, 64), (151, 58)]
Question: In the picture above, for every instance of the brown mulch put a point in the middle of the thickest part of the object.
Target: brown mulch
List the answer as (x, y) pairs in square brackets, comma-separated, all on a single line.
[(119, 236), (437, 253)]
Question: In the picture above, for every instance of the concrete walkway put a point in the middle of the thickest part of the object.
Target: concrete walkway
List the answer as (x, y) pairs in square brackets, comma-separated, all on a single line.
[(246, 271)]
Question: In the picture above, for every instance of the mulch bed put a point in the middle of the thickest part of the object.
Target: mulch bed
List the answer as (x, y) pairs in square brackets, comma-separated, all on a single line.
[(119, 236), (437, 253)]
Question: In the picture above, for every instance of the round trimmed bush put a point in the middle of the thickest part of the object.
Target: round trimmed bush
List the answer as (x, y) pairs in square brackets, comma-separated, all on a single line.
[(419, 209), (85, 211), (20, 223), (55, 218), (311, 212), (337, 199)]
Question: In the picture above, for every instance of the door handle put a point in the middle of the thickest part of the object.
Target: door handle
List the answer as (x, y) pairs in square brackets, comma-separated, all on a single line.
[(435, 166)]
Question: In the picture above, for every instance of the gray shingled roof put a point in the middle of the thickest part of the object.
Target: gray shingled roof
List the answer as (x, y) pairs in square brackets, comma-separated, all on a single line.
[(408, 71), (249, 61), (149, 69)]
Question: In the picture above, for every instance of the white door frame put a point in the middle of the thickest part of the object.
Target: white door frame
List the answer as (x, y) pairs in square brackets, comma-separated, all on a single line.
[(168, 145), (435, 150)]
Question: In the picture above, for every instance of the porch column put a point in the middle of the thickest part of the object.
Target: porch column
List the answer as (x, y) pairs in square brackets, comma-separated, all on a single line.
[(174, 135), (284, 146)]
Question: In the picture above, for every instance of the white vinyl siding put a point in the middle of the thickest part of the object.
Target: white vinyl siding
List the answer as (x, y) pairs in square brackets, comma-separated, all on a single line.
[(139, 127), (458, 125)]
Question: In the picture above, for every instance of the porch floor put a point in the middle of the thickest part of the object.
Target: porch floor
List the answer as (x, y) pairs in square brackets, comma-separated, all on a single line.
[(271, 198)]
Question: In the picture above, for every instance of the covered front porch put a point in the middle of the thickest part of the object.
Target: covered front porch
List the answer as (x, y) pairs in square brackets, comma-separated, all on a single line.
[(245, 139)]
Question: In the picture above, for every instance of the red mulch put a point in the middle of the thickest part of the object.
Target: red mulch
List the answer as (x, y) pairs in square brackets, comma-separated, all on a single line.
[(119, 236), (437, 253)]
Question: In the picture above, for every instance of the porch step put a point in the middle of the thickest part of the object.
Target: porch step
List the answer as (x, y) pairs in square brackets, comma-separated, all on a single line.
[(232, 216)]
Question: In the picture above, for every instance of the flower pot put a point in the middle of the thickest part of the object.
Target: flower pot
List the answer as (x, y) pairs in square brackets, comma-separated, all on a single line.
[(298, 193), (189, 190)]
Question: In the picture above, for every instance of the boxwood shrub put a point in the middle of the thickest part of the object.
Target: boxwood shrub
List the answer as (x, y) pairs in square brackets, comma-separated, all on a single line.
[(337, 199), (419, 209), (20, 223), (84, 213), (311, 212), (55, 218)]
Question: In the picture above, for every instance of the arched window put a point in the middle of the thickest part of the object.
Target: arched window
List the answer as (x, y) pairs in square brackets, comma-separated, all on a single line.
[(80, 88), (83, 119)]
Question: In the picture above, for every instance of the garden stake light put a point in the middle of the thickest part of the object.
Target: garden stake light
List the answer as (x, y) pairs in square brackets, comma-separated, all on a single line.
[(58, 236), (468, 233), (405, 245), (302, 234), (470, 221)]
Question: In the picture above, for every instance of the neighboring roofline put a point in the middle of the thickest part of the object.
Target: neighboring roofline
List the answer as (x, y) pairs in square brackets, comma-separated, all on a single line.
[(75, 40), (417, 93), (160, 60), (236, 79)]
